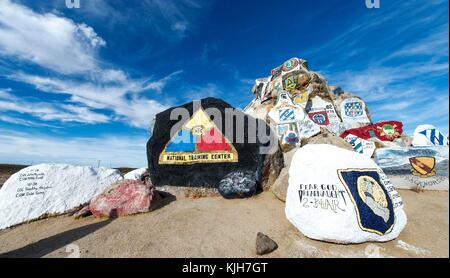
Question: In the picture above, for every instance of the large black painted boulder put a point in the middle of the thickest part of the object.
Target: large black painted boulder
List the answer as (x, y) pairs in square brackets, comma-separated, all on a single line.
[(204, 143)]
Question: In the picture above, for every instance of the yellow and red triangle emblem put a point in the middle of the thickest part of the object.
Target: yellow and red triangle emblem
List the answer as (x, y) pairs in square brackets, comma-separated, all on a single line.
[(198, 141)]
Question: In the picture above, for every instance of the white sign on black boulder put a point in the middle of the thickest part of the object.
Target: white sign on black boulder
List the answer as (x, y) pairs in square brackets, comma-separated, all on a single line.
[(50, 189), (341, 196)]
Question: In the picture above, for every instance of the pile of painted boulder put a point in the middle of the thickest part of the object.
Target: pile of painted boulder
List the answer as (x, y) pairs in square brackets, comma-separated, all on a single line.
[(299, 105), (333, 189)]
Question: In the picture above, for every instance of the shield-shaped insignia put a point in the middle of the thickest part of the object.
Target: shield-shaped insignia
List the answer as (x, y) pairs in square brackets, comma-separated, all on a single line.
[(423, 166), (373, 204)]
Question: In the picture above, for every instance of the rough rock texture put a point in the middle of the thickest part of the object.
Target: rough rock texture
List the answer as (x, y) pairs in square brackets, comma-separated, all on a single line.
[(85, 211), (279, 188), (341, 196), (50, 189), (239, 184), (326, 137), (208, 118), (264, 244), (126, 197), (273, 164)]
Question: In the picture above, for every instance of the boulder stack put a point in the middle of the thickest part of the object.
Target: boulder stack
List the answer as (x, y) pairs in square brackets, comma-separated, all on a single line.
[(299, 105), (209, 144)]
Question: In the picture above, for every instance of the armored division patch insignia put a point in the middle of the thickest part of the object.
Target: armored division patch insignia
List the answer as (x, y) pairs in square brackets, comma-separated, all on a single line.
[(198, 141), (372, 202)]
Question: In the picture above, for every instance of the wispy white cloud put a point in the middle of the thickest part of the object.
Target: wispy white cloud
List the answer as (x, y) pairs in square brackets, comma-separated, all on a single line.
[(124, 97), (68, 51), (23, 122), (112, 151), (400, 72), (49, 112), (48, 40)]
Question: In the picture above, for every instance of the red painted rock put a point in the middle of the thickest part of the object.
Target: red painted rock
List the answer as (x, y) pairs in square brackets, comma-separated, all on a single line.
[(126, 197), (385, 131)]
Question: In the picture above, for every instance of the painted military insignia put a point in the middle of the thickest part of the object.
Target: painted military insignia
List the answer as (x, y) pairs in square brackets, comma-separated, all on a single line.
[(289, 82), (290, 138), (353, 109), (301, 98), (372, 202), (290, 64), (286, 114), (389, 131), (423, 166), (198, 141), (320, 117)]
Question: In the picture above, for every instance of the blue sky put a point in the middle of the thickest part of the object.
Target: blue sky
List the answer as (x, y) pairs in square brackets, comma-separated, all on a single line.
[(82, 85)]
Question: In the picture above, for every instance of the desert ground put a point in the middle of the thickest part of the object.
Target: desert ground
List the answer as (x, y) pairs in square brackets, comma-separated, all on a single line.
[(216, 227)]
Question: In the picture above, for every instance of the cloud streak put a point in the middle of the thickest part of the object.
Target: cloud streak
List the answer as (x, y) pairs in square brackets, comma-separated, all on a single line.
[(114, 151), (48, 40)]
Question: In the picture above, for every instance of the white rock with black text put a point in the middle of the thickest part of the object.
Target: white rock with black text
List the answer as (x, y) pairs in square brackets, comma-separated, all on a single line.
[(340, 196), (50, 189)]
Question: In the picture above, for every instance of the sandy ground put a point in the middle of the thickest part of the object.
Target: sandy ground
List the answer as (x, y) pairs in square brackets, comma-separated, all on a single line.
[(215, 227)]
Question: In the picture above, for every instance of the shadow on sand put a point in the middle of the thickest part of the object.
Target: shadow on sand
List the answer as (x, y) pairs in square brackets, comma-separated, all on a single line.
[(50, 244)]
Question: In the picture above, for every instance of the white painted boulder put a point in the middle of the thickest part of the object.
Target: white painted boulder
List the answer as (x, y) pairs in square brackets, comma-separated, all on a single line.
[(428, 135), (135, 174), (416, 167), (50, 189), (340, 196)]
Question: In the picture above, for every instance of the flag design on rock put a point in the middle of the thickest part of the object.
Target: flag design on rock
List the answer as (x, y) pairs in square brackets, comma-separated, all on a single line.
[(198, 141)]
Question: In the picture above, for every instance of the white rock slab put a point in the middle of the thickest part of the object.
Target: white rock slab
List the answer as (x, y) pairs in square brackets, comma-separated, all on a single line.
[(353, 113), (428, 135), (307, 128), (360, 145), (135, 174), (50, 189), (340, 196)]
